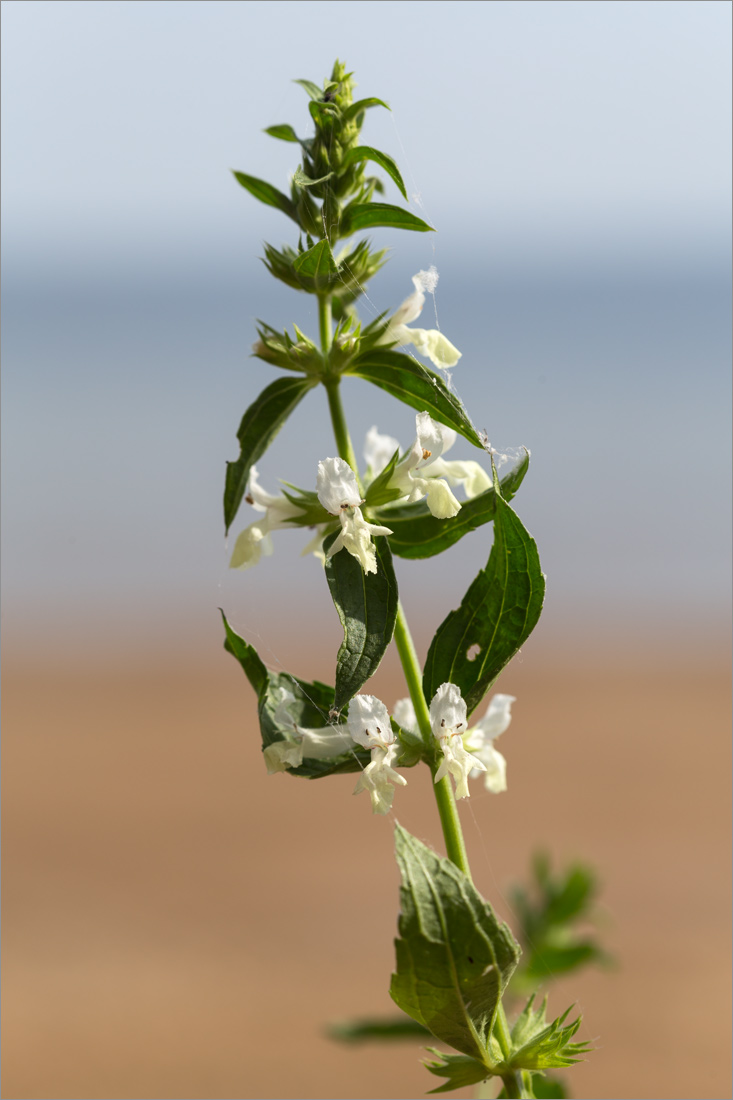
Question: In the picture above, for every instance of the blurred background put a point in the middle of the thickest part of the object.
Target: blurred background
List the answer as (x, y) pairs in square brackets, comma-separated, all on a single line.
[(176, 924)]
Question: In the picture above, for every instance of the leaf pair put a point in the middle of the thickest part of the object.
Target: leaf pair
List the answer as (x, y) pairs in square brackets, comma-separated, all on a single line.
[(393, 372)]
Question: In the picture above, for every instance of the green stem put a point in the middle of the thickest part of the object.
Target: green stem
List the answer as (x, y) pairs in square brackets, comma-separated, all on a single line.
[(449, 820), (513, 1080), (325, 326), (338, 419), (444, 797)]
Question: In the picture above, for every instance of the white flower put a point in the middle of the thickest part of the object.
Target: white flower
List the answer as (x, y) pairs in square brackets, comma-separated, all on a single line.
[(378, 450), (255, 541), (338, 492), (319, 744), (448, 722), (368, 724), (428, 342), (480, 737), (430, 442), (404, 715)]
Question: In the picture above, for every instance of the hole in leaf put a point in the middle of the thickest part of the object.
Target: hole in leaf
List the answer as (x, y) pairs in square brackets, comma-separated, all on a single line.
[(472, 652), (469, 958)]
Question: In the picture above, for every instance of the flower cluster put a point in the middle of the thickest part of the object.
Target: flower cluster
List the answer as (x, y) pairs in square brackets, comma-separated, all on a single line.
[(467, 751), (421, 473)]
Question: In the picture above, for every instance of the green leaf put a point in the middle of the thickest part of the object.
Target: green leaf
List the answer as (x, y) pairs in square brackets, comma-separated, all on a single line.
[(418, 534), (284, 132), (312, 89), (550, 959), (247, 656), (412, 383), (316, 269), (367, 607), (366, 152), (459, 1070), (268, 194), (497, 614), (548, 1088), (378, 1029), (310, 709), (362, 105), (260, 424), (454, 958), (370, 215)]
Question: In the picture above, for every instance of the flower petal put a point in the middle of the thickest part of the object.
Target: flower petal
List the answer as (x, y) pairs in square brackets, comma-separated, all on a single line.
[(281, 755), (368, 722), (404, 715), (336, 485), (447, 711), (378, 450)]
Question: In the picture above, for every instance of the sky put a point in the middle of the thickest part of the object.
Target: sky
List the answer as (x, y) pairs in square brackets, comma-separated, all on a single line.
[(575, 161)]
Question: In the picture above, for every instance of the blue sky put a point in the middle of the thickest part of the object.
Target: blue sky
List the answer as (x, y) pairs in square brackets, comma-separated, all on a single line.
[(575, 159)]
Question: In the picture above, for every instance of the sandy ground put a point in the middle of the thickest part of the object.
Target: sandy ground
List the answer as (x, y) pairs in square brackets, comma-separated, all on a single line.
[(177, 924)]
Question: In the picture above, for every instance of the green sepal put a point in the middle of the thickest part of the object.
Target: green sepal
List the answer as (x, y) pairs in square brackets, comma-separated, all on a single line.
[(497, 614), (415, 385), (362, 105), (459, 1069), (300, 179), (411, 745), (378, 1029), (371, 215), (312, 89), (367, 607), (378, 492), (284, 131), (278, 349), (316, 269), (310, 709), (268, 194), (418, 534), (366, 152), (260, 424), (313, 514), (537, 1045), (454, 958)]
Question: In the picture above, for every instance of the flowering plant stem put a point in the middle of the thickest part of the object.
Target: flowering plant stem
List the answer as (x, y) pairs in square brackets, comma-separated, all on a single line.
[(450, 822), (454, 958)]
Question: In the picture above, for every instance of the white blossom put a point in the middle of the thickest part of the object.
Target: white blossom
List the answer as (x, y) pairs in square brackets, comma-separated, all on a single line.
[(318, 744), (430, 442), (338, 492), (368, 724), (378, 450), (428, 342), (480, 738), (404, 715), (448, 722), (255, 542)]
